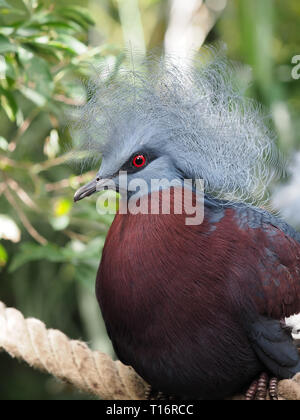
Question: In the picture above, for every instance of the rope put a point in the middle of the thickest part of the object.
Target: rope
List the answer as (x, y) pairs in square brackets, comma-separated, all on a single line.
[(73, 362), (69, 360)]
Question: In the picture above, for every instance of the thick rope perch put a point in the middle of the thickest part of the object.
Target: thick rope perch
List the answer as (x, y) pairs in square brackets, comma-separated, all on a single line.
[(73, 362), (69, 360)]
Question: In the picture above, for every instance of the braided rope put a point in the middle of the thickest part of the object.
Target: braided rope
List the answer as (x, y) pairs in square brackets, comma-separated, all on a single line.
[(69, 360), (73, 362)]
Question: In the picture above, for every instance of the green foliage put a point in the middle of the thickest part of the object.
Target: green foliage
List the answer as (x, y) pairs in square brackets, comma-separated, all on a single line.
[(3, 256), (39, 50), (44, 61), (265, 35), (44, 53), (49, 247)]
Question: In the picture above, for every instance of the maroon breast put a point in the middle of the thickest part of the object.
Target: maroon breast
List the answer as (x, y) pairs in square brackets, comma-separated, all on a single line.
[(154, 265), (169, 291)]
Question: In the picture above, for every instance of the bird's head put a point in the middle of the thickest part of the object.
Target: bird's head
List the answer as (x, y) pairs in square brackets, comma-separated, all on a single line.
[(175, 122), (133, 163)]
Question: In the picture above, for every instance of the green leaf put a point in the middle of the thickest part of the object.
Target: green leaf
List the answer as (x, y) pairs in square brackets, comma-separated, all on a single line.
[(6, 45), (10, 65), (33, 96), (55, 23), (33, 252), (3, 256), (63, 47), (38, 73), (78, 14), (73, 43), (3, 143), (44, 49), (27, 32), (9, 103), (25, 55), (53, 253), (2, 67), (6, 30), (69, 44), (37, 16)]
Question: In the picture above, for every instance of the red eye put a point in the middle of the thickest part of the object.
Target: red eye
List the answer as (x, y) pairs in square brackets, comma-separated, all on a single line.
[(139, 161)]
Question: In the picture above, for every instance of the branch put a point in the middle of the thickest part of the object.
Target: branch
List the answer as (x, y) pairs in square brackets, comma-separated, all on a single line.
[(50, 163), (22, 194), (23, 128), (68, 182), (68, 101), (28, 226)]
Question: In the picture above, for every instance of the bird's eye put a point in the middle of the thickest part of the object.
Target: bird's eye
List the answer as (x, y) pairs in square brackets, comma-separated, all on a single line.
[(139, 161)]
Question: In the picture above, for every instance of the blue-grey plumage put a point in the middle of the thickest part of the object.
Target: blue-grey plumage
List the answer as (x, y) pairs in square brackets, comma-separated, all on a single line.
[(195, 310), (194, 118)]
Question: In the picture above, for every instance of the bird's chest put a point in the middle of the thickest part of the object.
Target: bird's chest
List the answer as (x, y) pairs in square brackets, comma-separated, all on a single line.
[(154, 270), (142, 257), (161, 300)]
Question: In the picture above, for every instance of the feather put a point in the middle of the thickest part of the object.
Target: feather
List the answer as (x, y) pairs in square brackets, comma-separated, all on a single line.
[(195, 111)]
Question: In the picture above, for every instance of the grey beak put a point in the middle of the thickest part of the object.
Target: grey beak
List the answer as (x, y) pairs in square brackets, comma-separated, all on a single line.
[(86, 190)]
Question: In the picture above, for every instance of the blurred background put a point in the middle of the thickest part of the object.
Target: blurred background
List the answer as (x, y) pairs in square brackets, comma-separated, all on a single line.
[(49, 248)]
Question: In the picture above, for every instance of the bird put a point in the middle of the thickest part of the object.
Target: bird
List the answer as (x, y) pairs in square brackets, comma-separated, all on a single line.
[(196, 309)]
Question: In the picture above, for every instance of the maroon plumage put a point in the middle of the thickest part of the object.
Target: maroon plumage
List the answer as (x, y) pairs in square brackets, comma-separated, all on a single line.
[(196, 309)]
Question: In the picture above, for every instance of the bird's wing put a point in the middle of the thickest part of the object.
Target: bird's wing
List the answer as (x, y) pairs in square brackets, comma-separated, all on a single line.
[(273, 251), (274, 347)]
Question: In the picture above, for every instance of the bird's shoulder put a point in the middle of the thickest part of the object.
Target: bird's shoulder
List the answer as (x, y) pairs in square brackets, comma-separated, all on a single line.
[(247, 216)]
